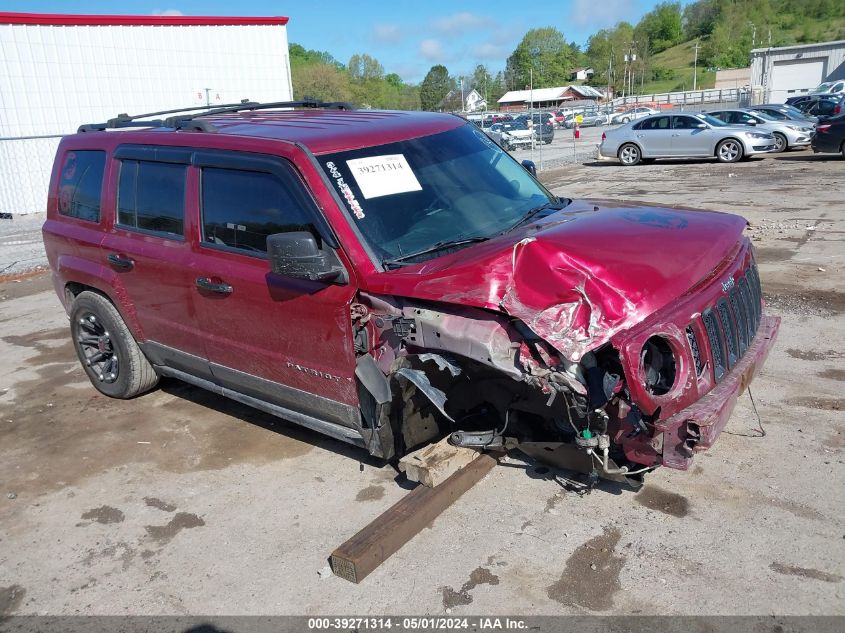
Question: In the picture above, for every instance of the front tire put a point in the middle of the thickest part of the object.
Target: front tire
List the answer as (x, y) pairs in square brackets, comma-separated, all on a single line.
[(625, 119), (629, 155), (781, 144), (115, 364), (729, 151)]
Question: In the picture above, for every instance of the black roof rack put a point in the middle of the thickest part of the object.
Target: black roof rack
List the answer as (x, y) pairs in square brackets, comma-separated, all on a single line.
[(189, 122)]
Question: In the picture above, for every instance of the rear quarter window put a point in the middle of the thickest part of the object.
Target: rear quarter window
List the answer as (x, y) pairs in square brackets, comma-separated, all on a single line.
[(81, 184)]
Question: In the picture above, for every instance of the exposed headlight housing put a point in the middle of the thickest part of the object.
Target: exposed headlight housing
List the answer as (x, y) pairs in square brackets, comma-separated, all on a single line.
[(659, 367)]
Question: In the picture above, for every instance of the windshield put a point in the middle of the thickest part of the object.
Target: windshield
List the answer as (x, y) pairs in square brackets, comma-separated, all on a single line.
[(412, 195), (711, 120), (792, 109), (823, 87), (764, 115)]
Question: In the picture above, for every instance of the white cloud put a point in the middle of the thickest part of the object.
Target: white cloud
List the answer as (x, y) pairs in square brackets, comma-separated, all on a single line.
[(432, 50), (487, 51), (599, 14), (387, 33), (461, 23), (165, 12)]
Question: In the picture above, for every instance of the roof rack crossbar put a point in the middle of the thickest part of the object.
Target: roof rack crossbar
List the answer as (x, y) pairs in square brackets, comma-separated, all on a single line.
[(188, 122), (126, 120)]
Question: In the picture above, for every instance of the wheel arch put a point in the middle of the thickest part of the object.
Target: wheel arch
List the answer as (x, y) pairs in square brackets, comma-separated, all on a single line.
[(635, 144), (729, 138), (73, 289)]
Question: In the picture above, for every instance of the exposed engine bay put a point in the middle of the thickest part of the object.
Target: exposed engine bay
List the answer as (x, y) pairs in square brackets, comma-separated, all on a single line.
[(488, 381)]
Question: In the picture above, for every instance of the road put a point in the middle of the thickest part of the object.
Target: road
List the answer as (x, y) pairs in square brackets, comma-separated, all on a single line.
[(183, 502)]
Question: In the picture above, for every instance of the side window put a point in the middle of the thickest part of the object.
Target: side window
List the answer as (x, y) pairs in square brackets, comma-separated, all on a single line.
[(81, 184), (684, 123), (657, 123), (151, 197), (241, 208)]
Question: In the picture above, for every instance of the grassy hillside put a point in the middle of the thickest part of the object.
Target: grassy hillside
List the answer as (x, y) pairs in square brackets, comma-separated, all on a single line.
[(677, 61)]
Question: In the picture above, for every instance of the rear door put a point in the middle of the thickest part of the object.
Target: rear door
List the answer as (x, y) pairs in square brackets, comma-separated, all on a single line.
[(654, 135), (283, 340), (148, 249)]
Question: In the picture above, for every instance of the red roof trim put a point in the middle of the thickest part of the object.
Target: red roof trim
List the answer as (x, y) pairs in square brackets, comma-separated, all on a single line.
[(66, 19)]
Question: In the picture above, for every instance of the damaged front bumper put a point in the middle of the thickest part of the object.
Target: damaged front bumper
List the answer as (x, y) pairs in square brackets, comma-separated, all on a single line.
[(696, 428)]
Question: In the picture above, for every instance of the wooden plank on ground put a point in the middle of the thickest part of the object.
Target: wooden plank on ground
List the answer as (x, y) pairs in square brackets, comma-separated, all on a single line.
[(433, 464), (377, 542)]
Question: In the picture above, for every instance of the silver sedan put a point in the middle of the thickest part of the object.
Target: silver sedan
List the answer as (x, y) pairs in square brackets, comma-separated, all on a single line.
[(683, 135), (788, 134)]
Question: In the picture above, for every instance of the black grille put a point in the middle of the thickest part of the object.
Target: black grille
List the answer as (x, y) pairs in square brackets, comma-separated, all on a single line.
[(696, 351), (730, 325), (729, 331), (740, 318), (716, 345)]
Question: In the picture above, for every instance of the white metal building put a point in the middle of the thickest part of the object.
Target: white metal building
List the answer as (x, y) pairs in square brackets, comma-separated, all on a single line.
[(59, 71), (788, 71)]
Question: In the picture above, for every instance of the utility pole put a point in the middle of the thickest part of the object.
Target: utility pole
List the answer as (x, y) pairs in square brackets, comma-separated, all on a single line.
[(463, 107), (695, 67)]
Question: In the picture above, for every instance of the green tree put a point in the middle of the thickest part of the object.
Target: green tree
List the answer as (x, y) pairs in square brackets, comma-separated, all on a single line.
[(434, 87), (321, 81), (363, 67), (545, 52), (299, 56), (662, 26), (482, 81)]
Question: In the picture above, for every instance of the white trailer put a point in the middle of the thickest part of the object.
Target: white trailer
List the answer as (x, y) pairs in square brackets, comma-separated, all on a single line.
[(59, 71)]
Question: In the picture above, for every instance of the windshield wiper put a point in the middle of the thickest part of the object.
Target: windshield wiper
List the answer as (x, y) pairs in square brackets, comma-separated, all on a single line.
[(439, 246), (559, 203)]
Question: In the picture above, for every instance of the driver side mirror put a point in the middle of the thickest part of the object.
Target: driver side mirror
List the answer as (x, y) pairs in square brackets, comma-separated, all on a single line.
[(530, 167), (700, 126), (751, 122), (296, 254)]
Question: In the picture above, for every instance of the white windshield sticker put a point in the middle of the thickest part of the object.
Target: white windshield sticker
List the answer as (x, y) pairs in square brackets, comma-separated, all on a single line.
[(383, 175)]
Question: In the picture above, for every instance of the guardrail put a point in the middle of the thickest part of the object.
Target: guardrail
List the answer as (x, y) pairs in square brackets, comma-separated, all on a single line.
[(741, 96)]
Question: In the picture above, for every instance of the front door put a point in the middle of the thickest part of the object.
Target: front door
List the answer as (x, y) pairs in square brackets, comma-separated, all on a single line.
[(282, 340)]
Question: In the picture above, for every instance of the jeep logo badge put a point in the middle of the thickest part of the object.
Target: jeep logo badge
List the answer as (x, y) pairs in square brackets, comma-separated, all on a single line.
[(728, 284)]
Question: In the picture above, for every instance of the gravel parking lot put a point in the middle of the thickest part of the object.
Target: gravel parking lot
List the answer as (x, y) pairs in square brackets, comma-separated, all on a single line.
[(183, 502)]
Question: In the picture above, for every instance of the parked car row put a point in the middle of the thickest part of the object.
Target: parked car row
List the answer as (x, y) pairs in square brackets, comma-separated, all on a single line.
[(728, 134)]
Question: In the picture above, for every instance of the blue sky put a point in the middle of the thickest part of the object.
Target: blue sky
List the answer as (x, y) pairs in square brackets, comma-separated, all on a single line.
[(406, 37)]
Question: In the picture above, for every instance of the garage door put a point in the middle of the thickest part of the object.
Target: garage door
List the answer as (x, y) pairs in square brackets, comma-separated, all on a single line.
[(795, 77)]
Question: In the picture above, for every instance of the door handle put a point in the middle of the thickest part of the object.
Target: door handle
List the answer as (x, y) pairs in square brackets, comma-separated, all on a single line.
[(124, 263), (221, 287), (675, 134)]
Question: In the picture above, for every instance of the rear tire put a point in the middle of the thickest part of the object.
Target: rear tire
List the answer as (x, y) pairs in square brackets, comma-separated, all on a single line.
[(625, 119), (729, 151), (781, 144), (107, 350), (629, 155)]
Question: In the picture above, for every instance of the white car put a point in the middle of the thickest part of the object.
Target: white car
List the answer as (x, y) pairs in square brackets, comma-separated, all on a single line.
[(829, 88), (632, 114)]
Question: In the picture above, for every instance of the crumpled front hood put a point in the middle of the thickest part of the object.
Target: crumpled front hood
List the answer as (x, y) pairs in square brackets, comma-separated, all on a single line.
[(581, 274)]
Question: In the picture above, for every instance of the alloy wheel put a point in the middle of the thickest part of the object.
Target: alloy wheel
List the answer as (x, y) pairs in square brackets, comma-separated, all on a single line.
[(729, 151), (96, 344), (629, 155)]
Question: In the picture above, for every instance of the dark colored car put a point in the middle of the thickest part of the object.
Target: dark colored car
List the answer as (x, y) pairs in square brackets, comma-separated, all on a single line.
[(830, 135), (821, 106), (543, 124), (390, 278), (783, 112)]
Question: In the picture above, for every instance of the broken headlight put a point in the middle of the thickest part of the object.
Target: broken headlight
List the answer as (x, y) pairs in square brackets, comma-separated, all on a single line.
[(658, 366)]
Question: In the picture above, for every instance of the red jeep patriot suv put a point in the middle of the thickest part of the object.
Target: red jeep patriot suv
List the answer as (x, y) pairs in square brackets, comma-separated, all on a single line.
[(390, 278)]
